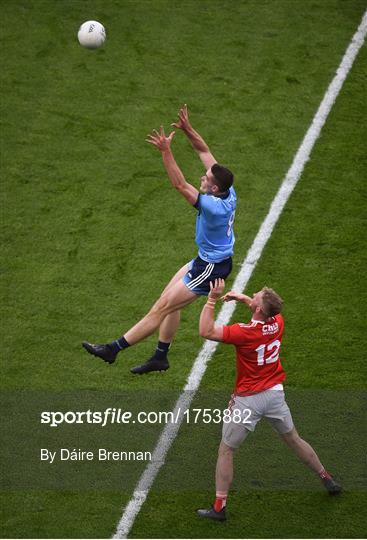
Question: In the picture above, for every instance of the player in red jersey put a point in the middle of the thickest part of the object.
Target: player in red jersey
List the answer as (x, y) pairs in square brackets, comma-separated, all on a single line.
[(259, 390)]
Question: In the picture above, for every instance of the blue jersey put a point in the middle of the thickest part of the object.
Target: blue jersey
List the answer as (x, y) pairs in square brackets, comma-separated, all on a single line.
[(214, 226)]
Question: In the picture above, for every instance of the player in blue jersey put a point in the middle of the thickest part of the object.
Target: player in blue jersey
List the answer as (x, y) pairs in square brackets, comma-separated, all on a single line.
[(216, 205)]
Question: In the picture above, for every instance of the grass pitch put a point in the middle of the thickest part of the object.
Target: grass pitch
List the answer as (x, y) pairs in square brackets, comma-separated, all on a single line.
[(92, 231)]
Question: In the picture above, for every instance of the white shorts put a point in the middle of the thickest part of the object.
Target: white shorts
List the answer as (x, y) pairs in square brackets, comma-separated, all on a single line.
[(246, 411)]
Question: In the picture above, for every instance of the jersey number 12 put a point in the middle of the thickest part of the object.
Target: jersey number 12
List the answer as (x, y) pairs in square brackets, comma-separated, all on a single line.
[(272, 348)]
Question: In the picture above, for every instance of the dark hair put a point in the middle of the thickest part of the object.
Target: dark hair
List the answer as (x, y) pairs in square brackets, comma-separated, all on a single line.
[(223, 178)]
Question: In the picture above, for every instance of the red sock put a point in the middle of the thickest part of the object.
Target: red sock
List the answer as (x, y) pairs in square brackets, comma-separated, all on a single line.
[(220, 500), (324, 475)]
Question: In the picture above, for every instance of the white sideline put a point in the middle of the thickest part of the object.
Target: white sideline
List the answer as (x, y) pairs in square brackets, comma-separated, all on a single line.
[(170, 431)]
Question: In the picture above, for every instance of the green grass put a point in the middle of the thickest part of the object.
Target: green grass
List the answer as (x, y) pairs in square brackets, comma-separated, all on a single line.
[(270, 515), (92, 231)]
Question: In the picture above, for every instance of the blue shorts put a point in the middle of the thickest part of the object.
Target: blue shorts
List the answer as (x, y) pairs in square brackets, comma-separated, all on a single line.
[(201, 273)]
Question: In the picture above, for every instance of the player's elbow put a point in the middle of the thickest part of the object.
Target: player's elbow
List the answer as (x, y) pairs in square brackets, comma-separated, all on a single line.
[(177, 185), (179, 188), (214, 333), (205, 333)]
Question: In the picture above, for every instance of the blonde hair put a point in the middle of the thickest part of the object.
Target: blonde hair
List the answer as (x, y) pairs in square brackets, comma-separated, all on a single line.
[(271, 302)]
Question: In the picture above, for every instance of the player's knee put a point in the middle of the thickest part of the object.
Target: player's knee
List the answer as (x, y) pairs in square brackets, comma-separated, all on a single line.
[(292, 438), (224, 449), (161, 307)]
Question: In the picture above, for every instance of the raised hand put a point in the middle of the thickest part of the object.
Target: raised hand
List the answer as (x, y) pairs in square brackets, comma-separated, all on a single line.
[(232, 295), (160, 140), (238, 297), (183, 119), (216, 288)]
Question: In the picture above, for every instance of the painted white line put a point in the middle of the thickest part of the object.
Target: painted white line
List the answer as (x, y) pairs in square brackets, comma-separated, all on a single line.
[(193, 382)]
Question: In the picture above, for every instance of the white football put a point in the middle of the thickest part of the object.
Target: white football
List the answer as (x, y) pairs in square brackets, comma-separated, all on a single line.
[(92, 35)]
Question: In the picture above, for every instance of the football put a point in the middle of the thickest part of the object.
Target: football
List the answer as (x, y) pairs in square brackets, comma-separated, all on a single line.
[(91, 35)]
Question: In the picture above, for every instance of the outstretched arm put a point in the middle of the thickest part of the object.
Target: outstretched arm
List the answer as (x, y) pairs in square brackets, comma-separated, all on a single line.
[(196, 140), (163, 143), (207, 328), (238, 297)]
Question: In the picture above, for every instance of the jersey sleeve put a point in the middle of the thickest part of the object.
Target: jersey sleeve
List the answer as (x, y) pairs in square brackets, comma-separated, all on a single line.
[(206, 204), (234, 334), (197, 204)]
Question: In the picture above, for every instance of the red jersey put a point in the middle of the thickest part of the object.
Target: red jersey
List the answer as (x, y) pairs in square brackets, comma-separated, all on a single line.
[(257, 350)]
